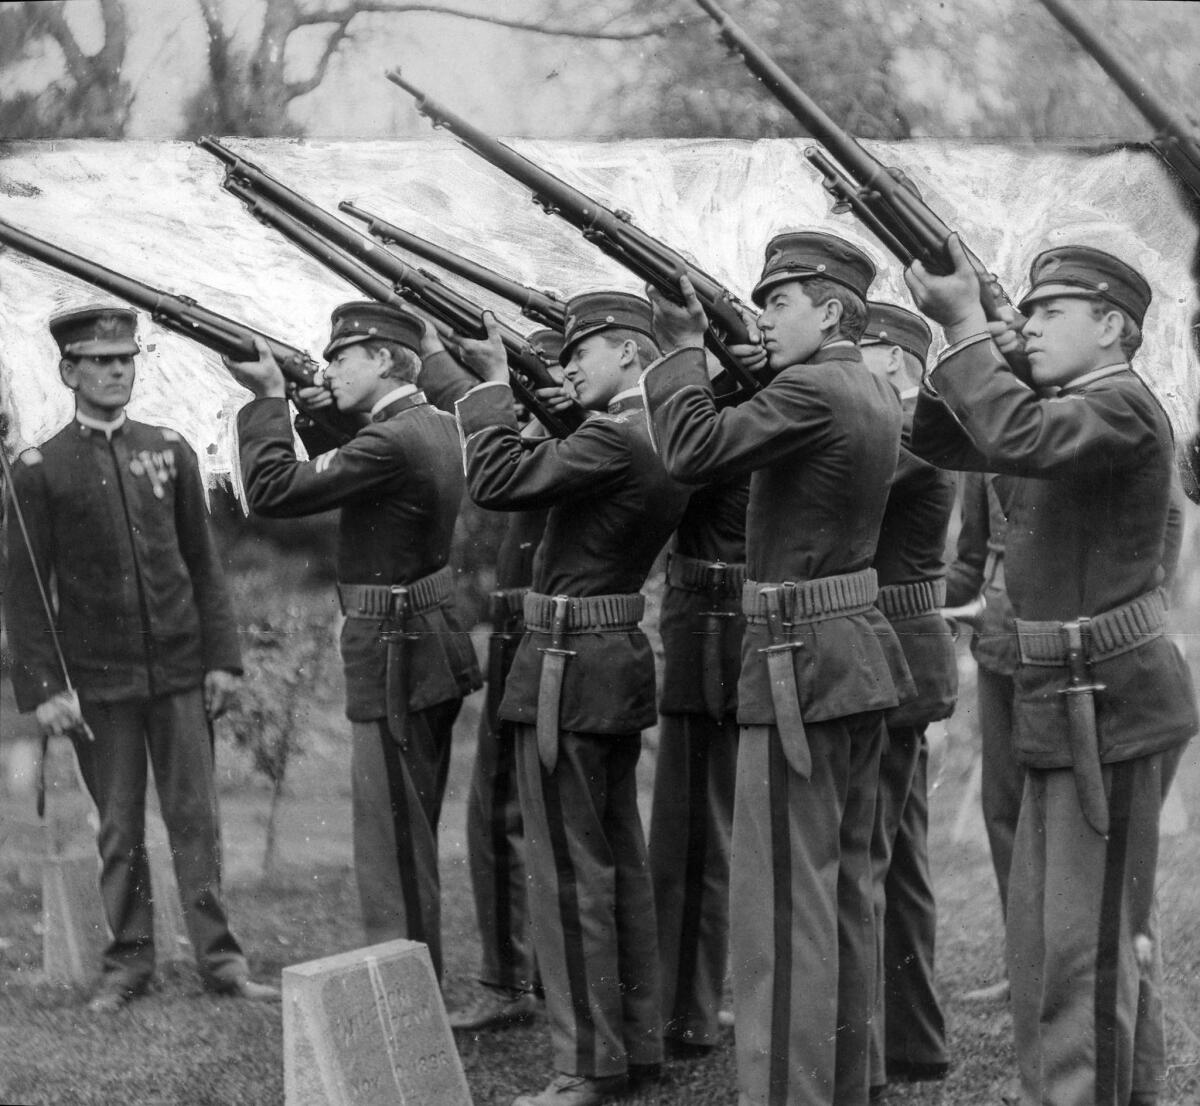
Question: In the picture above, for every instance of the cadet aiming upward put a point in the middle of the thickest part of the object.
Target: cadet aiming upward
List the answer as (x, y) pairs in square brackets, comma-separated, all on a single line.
[(820, 664), (1103, 701), (398, 484)]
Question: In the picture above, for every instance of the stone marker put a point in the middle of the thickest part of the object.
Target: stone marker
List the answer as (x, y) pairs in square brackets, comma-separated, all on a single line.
[(74, 931), (368, 1028)]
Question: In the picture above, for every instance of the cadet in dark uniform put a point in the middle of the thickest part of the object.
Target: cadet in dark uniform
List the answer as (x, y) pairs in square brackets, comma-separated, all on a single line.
[(909, 1031), (975, 577), (581, 689), (495, 836), (820, 664), (691, 820), (117, 528), (1103, 702), (408, 665)]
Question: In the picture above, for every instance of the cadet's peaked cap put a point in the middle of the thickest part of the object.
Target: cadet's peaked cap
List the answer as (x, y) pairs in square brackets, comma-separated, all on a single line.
[(890, 325), (362, 320), (547, 342), (809, 254), (596, 311), (1091, 274), (101, 330)]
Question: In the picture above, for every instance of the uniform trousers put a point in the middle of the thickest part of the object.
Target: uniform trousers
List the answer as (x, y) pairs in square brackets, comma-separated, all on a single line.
[(802, 927), (1087, 1020), (175, 731), (496, 856), (591, 901), (909, 1027), (691, 823), (1003, 776), (396, 799)]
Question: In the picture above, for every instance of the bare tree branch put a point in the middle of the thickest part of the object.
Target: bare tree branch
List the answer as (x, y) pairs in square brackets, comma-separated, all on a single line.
[(342, 16), (340, 32), (49, 17)]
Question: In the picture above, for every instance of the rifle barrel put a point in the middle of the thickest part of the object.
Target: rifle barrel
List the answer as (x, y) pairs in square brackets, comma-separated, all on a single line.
[(611, 232), (541, 307)]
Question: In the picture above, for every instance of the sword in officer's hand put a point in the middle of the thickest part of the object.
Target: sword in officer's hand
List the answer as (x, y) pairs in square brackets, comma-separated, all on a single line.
[(82, 728)]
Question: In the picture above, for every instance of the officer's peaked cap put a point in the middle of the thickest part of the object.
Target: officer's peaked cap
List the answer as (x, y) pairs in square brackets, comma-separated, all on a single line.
[(890, 325), (362, 320), (1081, 271), (100, 330), (593, 312)]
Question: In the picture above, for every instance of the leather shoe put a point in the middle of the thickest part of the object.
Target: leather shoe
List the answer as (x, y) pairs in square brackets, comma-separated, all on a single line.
[(494, 1009), (251, 991), (992, 993), (641, 1075), (576, 1090), (111, 999), (676, 1049)]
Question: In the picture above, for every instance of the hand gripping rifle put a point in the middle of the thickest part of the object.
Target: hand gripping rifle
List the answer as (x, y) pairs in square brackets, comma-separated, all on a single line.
[(883, 198), (544, 308), (1177, 140), (383, 276), (185, 316), (614, 234)]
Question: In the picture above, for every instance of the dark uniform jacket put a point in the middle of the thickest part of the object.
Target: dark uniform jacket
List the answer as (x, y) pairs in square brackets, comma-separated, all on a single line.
[(120, 534), (399, 484), (713, 528), (912, 544), (821, 442), (1087, 532), (978, 569), (612, 508)]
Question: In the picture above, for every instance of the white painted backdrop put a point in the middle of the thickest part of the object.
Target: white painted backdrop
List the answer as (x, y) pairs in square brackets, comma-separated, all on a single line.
[(156, 211)]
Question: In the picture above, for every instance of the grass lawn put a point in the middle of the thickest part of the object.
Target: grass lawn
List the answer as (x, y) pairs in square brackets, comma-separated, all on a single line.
[(181, 1048)]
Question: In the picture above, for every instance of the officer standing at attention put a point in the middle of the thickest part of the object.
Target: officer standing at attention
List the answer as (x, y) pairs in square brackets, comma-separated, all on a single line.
[(115, 516), (820, 664), (1103, 700), (581, 687), (909, 1031), (399, 485)]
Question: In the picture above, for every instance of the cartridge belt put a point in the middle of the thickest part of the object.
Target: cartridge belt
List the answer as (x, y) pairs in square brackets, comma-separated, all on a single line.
[(1110, 634), (506, 604), (375, 601), (899, 601), (694, 574), (593, 613), (815, 600)]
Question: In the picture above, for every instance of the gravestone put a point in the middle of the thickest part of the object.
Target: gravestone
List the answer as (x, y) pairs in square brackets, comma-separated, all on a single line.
[(74, 932), (368, 1028)]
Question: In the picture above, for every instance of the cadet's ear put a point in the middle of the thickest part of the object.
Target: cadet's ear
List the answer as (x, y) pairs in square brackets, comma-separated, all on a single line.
[(895, 362), (68, 369), (1112, 326), (831, 314), (384, 357)]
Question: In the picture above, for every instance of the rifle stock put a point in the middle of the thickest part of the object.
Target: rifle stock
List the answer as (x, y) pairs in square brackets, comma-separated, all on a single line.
[(1177, 140), (614, 234), (382, 276), (185, 316), (542, 307), (886, 201)]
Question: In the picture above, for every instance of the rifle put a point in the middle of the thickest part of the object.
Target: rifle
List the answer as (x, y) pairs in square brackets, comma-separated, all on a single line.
[(542, 307), (1177, 140), (386, 278), (614, 234), (185, 316), (884, 199)]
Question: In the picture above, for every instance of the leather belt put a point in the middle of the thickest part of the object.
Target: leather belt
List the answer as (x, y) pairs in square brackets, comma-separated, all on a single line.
[(694, 574), (780, 607), (592, 614), (1110, 634), (393, 605), (506, 605), (1075, 645), (562, 616), (720, 582), (900, 601), (376, 601), (506, 613)]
